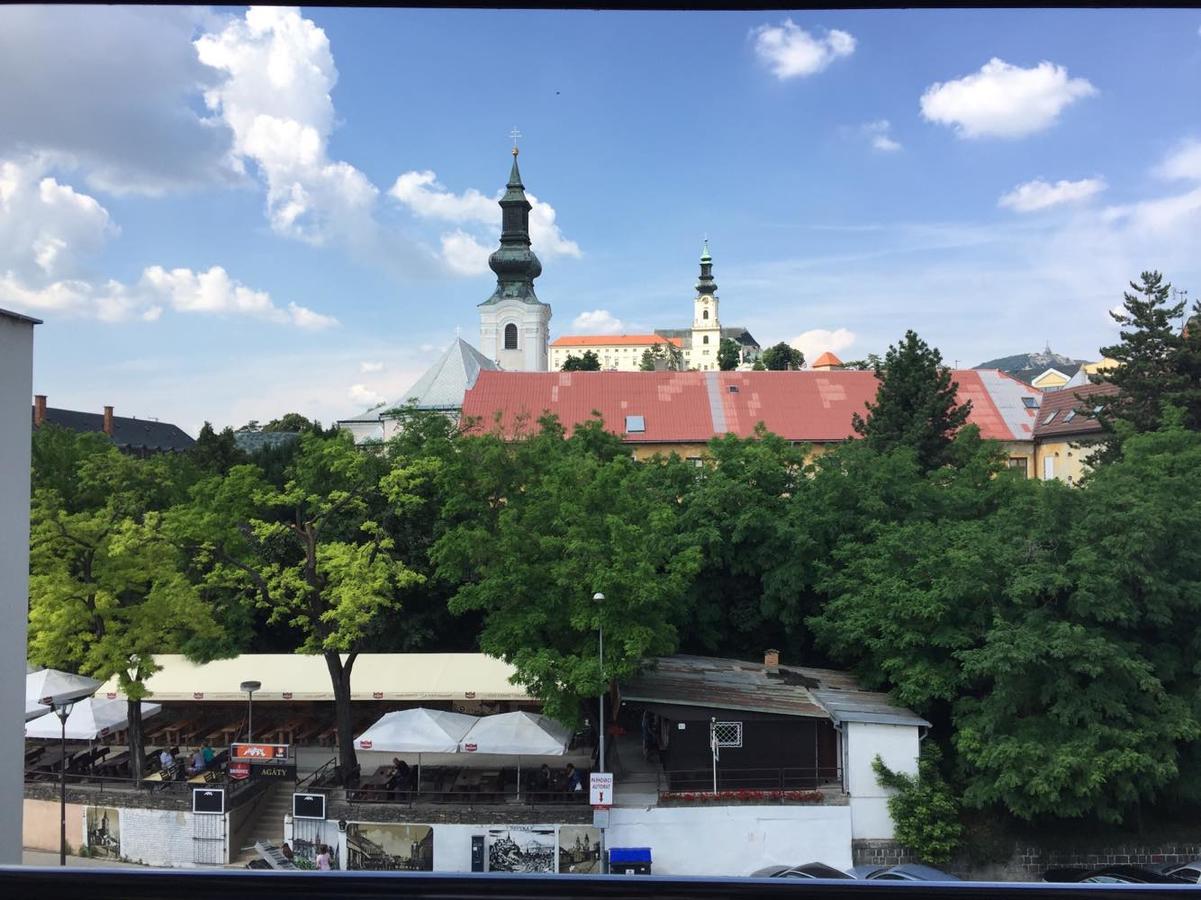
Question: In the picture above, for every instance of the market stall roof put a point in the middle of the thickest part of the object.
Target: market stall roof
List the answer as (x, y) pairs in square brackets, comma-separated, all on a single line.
[(417, 731), (90, 719), (62, 686), (714, 683), (293, 676), (517, 734)]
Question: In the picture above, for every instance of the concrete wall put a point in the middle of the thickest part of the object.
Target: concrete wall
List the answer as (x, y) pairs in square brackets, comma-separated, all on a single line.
[(40, 826), (16, 392), (898, 746)]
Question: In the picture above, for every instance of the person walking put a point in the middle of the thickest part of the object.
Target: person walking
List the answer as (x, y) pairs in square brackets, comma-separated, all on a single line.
[(323, 859)]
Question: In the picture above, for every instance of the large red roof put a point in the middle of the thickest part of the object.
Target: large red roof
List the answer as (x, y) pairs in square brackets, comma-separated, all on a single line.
[(691, 407)]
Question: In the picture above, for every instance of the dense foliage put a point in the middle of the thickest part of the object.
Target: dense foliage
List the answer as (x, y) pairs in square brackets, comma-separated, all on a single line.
[(588, 362), (923, 809), (729, 354), (781, 356)]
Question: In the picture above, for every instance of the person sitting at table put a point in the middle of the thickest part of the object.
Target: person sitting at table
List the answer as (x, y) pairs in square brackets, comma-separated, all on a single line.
[(207, 751), (401, 769), (166, 761), (542, 778), (571, 779), (197, 765)]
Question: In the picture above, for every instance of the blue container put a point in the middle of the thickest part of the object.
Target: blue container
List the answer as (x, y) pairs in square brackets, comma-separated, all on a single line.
[(630, 860)]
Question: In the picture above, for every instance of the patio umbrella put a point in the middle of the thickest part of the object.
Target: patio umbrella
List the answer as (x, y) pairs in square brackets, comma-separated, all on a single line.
[(51, 683), (417, 731), (90, 719), (517, 734)]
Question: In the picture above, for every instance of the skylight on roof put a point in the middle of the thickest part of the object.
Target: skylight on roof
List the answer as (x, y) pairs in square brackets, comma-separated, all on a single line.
[(733, 389), (635, 424), (1071, 415), (1050, 417), (1030, 402)]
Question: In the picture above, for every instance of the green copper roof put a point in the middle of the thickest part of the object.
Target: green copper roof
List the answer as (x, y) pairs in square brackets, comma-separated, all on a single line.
[(514, 262), (705, 257), (705, 284)]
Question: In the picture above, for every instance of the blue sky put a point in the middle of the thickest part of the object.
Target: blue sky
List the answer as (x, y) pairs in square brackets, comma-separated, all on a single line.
[(226, 214)]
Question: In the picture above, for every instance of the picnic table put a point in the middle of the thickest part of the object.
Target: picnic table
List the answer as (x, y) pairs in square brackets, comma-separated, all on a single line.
[(227, 732), (112, 766), (177, 732)]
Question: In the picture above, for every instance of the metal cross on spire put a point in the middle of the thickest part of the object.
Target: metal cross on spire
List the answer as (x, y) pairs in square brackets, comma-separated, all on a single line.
[(515, 134)]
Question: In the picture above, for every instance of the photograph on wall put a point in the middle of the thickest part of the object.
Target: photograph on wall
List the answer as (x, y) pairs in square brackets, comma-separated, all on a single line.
[(579, 850), (389, 847), (104, 832), (308, 836), (521, 850)]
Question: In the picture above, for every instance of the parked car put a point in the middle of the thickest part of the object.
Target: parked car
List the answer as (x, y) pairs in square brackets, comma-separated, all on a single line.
[(903, 872), (808, 870), (1122, 874), (1190, 871)]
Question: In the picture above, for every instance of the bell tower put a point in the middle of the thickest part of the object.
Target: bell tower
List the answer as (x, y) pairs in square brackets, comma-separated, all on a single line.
[(706, 326)]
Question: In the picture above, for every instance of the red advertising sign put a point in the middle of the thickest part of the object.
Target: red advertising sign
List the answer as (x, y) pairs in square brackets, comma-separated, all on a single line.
[(364, 745), (287, 695), (239, 770), (470, 748), (198, 695), (377, 695), (470, 695), (111, 695), (257, 752)]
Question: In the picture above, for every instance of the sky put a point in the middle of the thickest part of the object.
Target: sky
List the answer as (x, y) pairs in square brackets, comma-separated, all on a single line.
[(224, 214)]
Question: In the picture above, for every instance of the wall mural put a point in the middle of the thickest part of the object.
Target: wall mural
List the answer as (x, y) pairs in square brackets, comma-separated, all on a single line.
[(579, 849), (103, 832), (521, 850), (390, 847)]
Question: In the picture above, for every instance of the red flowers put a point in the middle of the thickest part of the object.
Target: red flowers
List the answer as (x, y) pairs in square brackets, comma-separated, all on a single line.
[(742, 795)]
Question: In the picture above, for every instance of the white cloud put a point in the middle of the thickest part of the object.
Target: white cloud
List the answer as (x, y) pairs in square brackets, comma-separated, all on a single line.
[(791, 51), (215, 292), (463, 254), (111, 91), (367, 368), (364, 396), (597, 321), (816, 341), (1184, 162), (1002, 100), (1039, 194), (879, 133)]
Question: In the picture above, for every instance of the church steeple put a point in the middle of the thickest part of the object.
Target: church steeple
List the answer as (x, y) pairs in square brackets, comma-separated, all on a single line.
[(514, 263), (706, 284)]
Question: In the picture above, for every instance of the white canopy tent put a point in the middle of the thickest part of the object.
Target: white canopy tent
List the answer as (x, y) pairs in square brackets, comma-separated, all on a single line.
[(90, 719), (62, 687), (517, 734), (417, 731)]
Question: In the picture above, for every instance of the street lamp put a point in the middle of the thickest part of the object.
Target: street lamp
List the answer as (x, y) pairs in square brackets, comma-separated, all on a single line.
[(599, 598), (250, 687), (62, 709)]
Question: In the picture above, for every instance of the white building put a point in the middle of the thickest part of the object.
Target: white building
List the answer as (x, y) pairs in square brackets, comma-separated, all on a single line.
[(16, 387)]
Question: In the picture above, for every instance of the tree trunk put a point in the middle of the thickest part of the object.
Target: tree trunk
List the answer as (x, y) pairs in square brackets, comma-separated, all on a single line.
[(339, 673), (137, 750)]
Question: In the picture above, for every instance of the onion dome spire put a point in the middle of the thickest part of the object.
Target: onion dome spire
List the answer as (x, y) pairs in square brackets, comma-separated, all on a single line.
[(706, 284), (514, 262)]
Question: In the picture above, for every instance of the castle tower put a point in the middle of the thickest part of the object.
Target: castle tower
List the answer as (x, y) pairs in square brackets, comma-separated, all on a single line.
[(514, 323), (706, 326)]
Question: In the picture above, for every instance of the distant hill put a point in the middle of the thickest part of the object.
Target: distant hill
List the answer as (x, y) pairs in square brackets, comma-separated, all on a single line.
[(1028, 366)]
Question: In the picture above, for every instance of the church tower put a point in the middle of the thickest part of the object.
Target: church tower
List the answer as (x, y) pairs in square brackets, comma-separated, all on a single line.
[(706, 327), (514, 323)]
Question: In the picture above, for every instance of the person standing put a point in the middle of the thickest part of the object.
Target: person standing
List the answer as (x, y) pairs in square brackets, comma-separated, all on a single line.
[(323, 859)]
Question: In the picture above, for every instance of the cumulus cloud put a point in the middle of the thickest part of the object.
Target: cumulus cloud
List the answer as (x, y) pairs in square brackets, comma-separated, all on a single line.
[(597, 321), (790, 51), (368, 368), (1002, 100), (115, 97), (879, 133), (364, 396), (816, 341), (1183, 163), (1038, 194)]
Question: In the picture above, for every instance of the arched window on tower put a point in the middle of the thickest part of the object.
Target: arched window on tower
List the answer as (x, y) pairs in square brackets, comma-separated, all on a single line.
[(510, 336), (705, 339), (704, 314)]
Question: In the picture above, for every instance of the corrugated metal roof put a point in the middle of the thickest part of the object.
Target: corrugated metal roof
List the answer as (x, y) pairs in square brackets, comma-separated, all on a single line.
[(752, 687), (692, 407)]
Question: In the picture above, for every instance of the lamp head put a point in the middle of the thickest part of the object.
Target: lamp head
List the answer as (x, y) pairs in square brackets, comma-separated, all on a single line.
[(63, 710), (598, 597), (251, 686)]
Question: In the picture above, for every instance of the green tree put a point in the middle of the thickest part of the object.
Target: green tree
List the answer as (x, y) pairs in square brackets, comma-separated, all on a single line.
[(589, 362), (1157, 363), (216, 451), (729, 354), (871, 362), (923, 808), (567, 517), (916, 404), (103, 588), (782, 356), (662, 355), (757, 366), (292, 421)]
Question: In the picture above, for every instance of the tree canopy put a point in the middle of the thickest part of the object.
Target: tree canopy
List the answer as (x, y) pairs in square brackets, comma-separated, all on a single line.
[(588, 362), (781, 356), (729, 354)]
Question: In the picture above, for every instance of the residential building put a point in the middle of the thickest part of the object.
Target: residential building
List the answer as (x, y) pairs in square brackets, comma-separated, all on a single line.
[(680, 412), (16, 384), (616, 352), (440, 389), (514, 323), (1067, 432), (137, 437)]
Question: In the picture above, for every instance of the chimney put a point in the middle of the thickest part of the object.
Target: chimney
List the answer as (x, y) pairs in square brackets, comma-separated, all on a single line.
[(108, 421), (39, 410), (771, 659)]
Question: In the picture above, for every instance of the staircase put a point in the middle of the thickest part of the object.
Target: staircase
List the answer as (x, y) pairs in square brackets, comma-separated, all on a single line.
[(268, 824)]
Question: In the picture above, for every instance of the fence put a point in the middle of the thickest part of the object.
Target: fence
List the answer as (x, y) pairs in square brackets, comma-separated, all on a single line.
[(98, 787), (807, 778)]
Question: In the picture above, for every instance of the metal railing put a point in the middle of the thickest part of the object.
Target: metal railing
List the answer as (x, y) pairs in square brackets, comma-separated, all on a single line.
[(808, 778), (470, 797), (118, 785)]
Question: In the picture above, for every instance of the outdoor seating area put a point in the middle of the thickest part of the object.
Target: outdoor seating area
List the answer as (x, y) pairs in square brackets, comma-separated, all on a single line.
[(465, 784)]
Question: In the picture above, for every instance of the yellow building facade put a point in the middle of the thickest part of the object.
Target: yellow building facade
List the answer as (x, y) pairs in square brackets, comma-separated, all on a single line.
[(616, 352)]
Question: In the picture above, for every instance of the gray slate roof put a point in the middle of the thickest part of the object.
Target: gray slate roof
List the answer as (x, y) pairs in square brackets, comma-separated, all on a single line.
[(128, 433), (785, 690), (442, 386)]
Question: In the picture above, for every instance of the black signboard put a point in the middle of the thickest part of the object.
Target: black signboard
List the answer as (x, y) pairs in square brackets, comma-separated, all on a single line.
[(274, 772), (308, 806), (208, 801)]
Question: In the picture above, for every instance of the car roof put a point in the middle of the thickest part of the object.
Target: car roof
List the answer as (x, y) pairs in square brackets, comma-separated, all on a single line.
[(922, 873), (768, 872), (817, 870), (865, 871)]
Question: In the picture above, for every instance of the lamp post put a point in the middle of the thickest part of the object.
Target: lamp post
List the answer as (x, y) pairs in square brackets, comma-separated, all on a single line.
[(62, 710), (599, 598), (250, 687)]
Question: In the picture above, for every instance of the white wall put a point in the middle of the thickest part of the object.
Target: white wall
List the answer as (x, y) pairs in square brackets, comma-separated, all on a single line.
[(16, 392), (898, 746)]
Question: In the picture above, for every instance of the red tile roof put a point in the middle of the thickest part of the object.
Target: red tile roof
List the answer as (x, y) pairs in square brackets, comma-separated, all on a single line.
[(1061, 403), (826, 359), (692, 407), (597, 340)]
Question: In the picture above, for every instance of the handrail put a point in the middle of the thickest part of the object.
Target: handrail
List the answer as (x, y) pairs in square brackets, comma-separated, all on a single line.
[(315, 779), (791, 778)]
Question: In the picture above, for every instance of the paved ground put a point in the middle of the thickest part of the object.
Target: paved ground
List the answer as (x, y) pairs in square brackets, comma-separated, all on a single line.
[(42, 858)]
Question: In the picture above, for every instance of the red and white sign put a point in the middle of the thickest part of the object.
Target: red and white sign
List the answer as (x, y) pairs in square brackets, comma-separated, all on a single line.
[(258, 752), (377, 695), (470, 748), (470, 695), (111, 695), (287, 695), (239, 770), (198, 695), (600, 790), (364, 745)]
